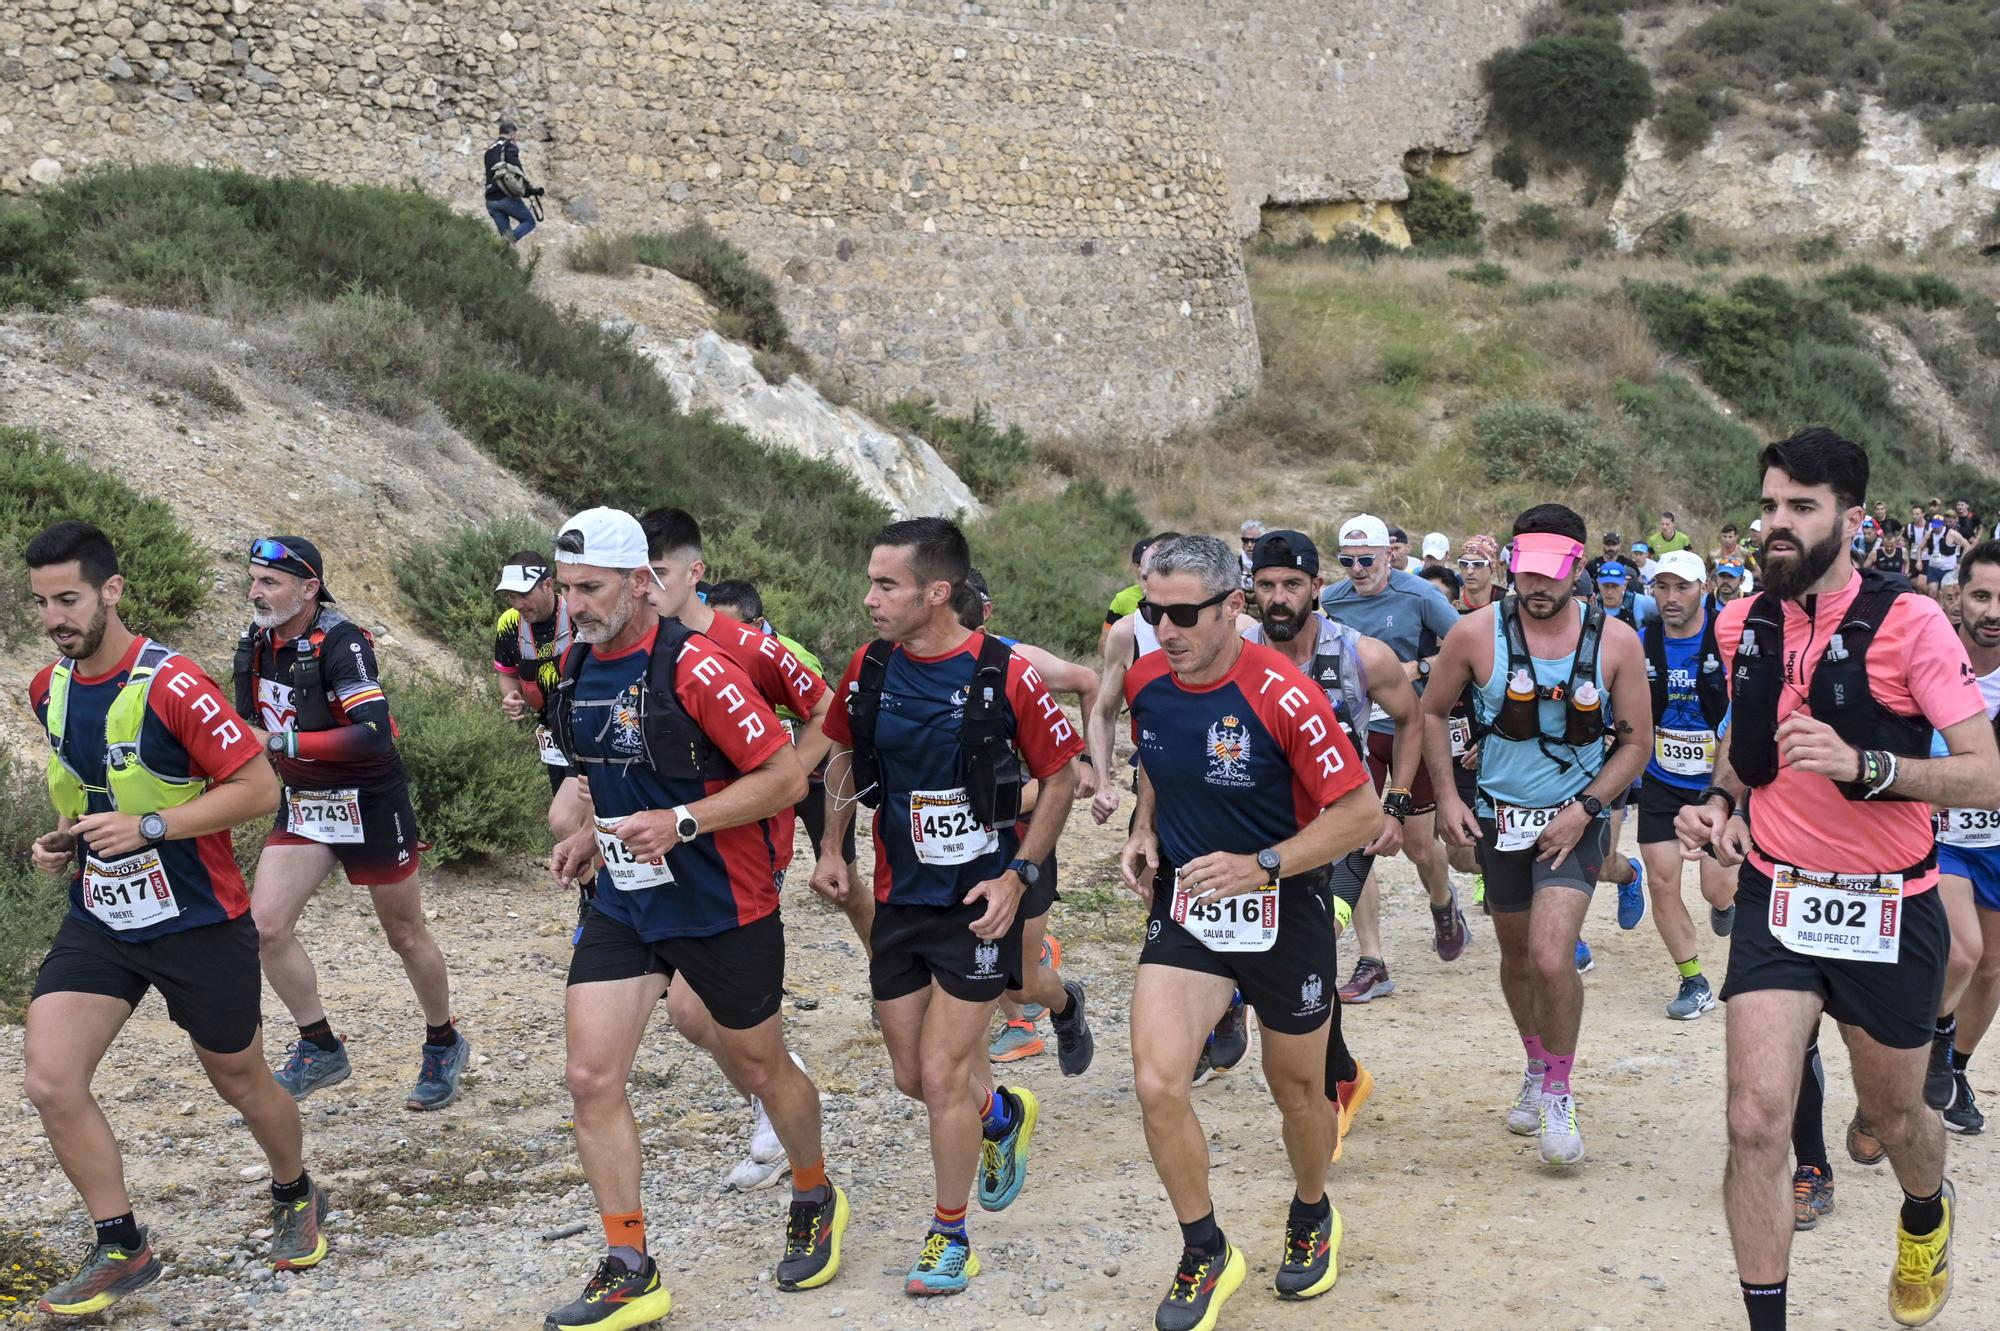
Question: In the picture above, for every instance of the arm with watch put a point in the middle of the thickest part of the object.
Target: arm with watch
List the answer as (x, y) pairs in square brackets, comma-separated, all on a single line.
[(1394, 694), (1003, 895), (1346, 824), (777, 784), (250, 792)]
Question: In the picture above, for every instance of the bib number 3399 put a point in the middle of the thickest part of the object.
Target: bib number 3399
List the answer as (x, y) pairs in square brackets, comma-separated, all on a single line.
[(1847, 917), (1247, 922)]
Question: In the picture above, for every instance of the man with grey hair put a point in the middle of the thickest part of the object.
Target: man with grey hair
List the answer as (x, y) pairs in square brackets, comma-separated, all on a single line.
[(1248, 789), (1251, 532)]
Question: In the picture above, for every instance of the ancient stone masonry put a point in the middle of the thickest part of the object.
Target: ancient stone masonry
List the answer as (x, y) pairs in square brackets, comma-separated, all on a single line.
[(1027, 203)]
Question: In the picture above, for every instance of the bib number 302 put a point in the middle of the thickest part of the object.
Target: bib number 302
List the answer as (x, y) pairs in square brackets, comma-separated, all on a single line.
[(1847, 917), (1247, 922)]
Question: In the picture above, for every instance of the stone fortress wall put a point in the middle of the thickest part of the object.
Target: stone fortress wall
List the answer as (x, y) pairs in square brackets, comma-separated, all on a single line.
[(1031, 203)]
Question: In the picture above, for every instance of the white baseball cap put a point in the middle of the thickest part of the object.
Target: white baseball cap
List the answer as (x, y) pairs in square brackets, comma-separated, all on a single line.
[(1437, 545), (521, 578), (1682, 564), (1364, 529), (603, 538)]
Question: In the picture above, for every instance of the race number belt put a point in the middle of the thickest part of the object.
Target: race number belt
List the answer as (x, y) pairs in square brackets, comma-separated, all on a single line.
[(1974, 829), (1684, 752), (1515, 828), (1247, 922), (1842, 916), (628, 873), (330, 817), (1461, 734), (552, 754), (943, 830), (131, 893)]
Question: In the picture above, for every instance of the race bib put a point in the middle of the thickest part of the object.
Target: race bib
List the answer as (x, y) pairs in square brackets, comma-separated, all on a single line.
[(627, 871), (1684, 752), (1517, 829), (944, 831), (1974, 829), (130, 893), (552, 754), (1244, 923), (330, 817), (1845, 916), (1461, 734)]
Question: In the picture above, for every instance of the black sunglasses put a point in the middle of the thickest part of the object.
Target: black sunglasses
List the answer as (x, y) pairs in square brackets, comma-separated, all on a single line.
[(1184, 616), (1349, 561)]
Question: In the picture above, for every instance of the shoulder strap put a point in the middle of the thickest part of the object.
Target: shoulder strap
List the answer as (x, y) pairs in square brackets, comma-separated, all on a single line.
[(58, 710), (864, 701), (992, 772), (1584, 665), (244, 672)]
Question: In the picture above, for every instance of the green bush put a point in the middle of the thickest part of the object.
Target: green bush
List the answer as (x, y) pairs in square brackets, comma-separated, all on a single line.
[(1867, 288), (611, 252), (1838, 134), (1823, 247), (381, 349), (1405, 363), (1684, 126), (32, 904), (36, 267), (1057, 602), (695, 253), (988, 459), (1574, 101), (448, 581), (1436, 212), (1510, 166), (1546, 445), (1761, 42), (1714, 457), (167, 576), (1483, 274), (475, 777)]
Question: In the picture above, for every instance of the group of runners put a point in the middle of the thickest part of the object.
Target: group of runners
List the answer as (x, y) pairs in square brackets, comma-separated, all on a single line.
[(1792, 716)]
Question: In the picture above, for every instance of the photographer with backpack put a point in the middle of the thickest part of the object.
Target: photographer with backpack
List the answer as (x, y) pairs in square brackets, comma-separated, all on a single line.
[(510, 197)]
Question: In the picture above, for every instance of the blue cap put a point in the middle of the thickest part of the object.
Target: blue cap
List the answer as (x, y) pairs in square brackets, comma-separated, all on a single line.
[(1613, 573), (1641, 548), (1732, 567)]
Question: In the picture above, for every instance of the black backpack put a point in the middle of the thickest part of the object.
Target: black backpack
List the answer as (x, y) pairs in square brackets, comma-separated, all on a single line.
[(990, 767), (675, 746)]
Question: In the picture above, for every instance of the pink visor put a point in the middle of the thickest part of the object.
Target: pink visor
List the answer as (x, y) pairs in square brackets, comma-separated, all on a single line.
[(1546, 553)]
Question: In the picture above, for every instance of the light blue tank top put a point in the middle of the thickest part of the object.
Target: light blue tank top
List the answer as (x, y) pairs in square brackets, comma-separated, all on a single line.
[(1523, 772)]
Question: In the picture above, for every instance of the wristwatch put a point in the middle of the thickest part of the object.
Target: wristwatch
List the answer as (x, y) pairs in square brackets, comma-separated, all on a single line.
[(1592, 805), (275, 743), (1398, 804), (686, 827), (153, 827), (1268, 861), (1031, 873)]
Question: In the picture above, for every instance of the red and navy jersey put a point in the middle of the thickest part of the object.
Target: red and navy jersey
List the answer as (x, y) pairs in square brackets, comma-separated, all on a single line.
[(360, 750), (917, 734), (1221, 757), (190, 730), (784, 681), (721, 879)]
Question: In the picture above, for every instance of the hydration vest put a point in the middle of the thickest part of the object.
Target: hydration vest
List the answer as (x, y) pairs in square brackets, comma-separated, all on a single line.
[(1581, 725), (990, 767), (1711, 684), (310, 710), (675, 746), (530, 654), (1336, 667), (1839, 696), (132, 786)]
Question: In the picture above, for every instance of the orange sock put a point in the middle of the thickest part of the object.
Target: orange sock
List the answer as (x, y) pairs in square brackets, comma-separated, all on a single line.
[(627, 1230), (812, 1176)]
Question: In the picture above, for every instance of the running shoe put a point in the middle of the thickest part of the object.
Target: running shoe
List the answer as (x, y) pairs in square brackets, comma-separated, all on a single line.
[(107, 1275), (1231, 1038), (1449, 934), (1003, 1164), (1051, 953), (1584, 961), (437, 1079), (1075, 1045), (309, 1067), (1922, 1280), (1696, 997), (1723, 921), (1940, 1086), (615, 1300), (812, 1241), (1812, 1196), (1017, 1040), (1369, 982), (1863, 1147), (946, 1266), (1964, 1116), (1311, 1261), (1033, 1012), (1348, 1097), (1203, 1068), (1524, 1116), (297, 1241), (1201, 1286), (1632, 896), (1562, 1142), (766, 1163)]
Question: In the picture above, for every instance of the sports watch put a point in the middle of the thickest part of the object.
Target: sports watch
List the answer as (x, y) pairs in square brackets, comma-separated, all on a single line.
[(1268, 861), (1031, 873), (1592, 805), (153, 827), (686, 826)]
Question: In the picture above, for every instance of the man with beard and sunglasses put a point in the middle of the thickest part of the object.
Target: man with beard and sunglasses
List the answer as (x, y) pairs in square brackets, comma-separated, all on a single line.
[(688, 769), (1248, 790), (1357, 674), (1554, 677), (1837, 679), (149, 771), (1381, 601), (306, 678)]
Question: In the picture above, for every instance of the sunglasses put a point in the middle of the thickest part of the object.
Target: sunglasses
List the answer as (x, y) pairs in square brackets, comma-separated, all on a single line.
[(1183, 616), (269, 552), (1250, 540), (1353, 561), (1475, 563)]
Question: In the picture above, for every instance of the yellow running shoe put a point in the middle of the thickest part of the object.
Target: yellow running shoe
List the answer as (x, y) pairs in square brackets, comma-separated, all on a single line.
[(1201, 1286), (1922, 1279), (615, 1300), (1311, 1261)]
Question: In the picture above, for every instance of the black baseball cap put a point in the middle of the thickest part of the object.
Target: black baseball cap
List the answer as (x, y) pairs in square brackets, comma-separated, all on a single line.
[(506, 127), (1285, 549), (294, 555)]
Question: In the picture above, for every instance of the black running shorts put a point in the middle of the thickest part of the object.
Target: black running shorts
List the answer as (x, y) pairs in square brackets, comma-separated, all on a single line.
[(208, 976), (739, 974), (915, 945), (1291, 986), (387, 851), (1514, 876), (1659, 804)]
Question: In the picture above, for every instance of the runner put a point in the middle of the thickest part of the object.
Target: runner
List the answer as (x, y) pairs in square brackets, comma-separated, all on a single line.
[(933, 721), (1948, 596), (1827, 755), (1690, 698), (1248, 789), (1250, 533), (1627, 873), (1555, 677), (1357, 674), (1476, 560), (1728, 583), (1479, 562), (531, 635), (1127, 600), (1411, 616), (1668, 538), (1044, 989), (156, 901), (688, 771), (306, 678)]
